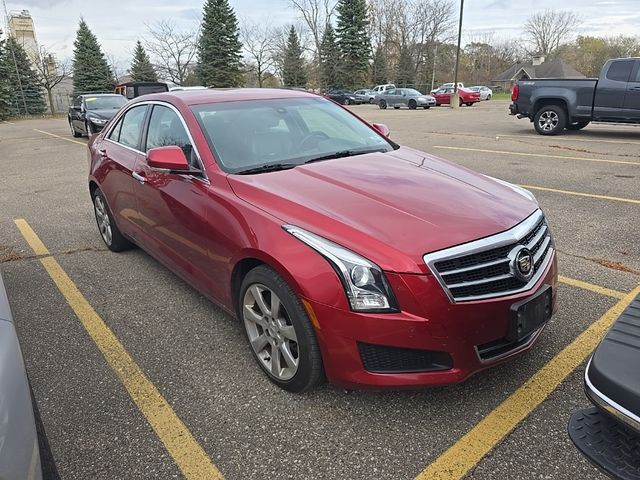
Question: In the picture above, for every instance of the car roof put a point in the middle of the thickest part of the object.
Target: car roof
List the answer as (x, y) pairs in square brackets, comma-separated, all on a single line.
[(219, 95), (100, 95)]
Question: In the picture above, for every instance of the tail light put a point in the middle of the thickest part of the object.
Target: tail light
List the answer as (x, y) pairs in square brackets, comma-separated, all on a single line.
[(515, 92)]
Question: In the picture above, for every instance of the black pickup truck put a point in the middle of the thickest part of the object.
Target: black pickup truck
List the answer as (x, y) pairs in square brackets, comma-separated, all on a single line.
[(555, 104)]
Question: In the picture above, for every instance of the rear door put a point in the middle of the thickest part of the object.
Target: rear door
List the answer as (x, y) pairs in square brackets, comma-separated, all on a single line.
[(609, 102), (632, 99)]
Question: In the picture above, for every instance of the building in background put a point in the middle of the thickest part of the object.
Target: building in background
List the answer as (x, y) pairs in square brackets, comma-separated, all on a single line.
[(21, 28), (538, 67)]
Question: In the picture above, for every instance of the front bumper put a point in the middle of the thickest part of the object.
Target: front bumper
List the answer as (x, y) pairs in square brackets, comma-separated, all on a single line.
[(429, 323), (427, 103)]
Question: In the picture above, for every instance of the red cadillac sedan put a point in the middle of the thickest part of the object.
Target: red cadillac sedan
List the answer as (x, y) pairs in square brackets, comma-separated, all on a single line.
[(467, 97), (343, 254)]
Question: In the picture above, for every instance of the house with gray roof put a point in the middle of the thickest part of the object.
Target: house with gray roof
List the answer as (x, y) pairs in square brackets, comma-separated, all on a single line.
[(537, 68)]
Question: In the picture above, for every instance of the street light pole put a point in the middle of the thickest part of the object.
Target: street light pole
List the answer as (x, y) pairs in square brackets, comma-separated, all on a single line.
[(455, 102)]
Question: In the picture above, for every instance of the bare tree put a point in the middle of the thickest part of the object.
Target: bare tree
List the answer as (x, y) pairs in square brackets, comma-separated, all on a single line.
[(116, 67), (173, 51), (547, 30), (258, 41), (316, 14), (50, 73)]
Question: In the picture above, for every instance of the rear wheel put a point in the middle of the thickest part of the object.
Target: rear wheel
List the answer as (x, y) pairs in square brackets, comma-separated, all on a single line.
[(550, 120), (279, 331), (577, 125), (396, 107), (470, 104), (372, 100), (489, 97), (412, 104), (427, 107), (109, 231), (382, 104), (346, 101)]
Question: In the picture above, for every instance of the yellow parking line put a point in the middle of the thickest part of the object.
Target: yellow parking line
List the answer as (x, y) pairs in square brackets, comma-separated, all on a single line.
[(189, 456), (581, 194), (60, 137), (575, 139), (467, 452), (10, 123), (538, 155), (591, 287)]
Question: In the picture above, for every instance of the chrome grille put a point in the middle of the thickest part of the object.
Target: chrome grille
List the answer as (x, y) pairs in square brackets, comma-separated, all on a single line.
[(481, 269)]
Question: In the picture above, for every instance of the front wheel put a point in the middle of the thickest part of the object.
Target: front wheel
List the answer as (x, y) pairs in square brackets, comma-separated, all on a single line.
[(111, 235), (279, 331), (382, 104), (427, 107), (74, 132), (489, 97), (470, 104), (413, 105), (372, 100), (346, 101), (88, 129), (550, 120), (577, 125)]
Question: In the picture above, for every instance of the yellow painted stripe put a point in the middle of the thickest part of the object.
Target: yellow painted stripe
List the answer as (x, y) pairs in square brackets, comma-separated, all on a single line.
[(490, 431), (582, 194), (189, 456), (60, 137), (538, 155), (574, 139), (591, 287), (10, 123)]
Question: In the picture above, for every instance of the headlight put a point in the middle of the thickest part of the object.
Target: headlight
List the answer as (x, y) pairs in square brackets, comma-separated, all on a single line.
[(98, 121), (352, 98), (364, 282)]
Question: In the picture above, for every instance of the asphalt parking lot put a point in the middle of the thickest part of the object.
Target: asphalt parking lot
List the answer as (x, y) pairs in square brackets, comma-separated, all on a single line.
[(507, 422)]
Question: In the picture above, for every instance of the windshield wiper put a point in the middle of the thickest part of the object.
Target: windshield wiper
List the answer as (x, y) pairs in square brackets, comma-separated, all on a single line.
[(344, 153), (270, 167)]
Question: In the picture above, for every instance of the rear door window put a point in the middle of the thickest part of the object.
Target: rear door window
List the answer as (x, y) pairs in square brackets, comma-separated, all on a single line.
[(129, 128), (620, 71)]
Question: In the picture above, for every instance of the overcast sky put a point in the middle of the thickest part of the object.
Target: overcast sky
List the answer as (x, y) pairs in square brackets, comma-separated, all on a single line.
[(118, 24)]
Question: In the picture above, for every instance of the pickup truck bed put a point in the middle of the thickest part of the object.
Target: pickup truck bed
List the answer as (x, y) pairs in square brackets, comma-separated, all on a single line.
[(554, 105)]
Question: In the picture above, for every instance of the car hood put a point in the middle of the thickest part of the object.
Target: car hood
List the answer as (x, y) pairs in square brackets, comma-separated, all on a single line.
[(106, 114), (389, 207)]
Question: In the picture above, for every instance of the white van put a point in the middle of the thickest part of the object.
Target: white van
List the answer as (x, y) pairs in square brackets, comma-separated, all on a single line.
[(380, 89)]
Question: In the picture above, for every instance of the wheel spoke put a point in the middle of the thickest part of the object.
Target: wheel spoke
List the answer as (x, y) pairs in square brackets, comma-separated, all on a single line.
[(256, 292), (275, 305), (259, 343), (275, 361), (253, 316), (288, 356), (288, 332)]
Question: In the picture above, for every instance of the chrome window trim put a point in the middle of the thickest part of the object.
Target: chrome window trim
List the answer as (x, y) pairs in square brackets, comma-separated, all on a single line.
[(204, 178), (507, 237), (601, 400)]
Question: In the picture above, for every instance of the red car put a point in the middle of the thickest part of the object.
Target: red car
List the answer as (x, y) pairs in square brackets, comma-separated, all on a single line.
[(467, 97), (342, 253)]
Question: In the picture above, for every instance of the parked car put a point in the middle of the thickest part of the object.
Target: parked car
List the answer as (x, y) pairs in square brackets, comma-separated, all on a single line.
[(405, 97), (89, 113), (344, 97), (467, 97), (180, 87), (608, 434), (379, 89), (447, 85), (342, 253), (485, 92), (555, 104), (365, 95), (19, 452), (135, 89)]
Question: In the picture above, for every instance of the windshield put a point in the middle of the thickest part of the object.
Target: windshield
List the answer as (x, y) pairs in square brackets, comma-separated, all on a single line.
[(249, 134), (105, 103), (412, 92), (475, 89)]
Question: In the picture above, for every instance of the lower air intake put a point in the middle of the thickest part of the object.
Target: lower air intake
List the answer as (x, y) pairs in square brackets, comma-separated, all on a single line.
[(383, 359)]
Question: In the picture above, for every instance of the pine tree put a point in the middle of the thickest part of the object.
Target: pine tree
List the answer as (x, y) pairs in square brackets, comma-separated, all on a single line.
[(405, 69), (141, 68), (25, 92), (329, 59), (91, 72), (293, 68), (219, 47), (379, 67), (353, 41), (6, 107)]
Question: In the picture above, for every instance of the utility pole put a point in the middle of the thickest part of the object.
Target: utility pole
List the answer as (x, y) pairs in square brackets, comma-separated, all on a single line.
[(433, 72), (455, 100)]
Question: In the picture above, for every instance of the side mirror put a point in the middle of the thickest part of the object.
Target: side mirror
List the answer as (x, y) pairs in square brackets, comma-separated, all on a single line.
[(382, 129), (76, 108), (170, 158)]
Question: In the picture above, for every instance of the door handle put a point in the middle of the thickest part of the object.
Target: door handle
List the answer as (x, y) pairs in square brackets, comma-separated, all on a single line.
[(138, 177), (635, 89)]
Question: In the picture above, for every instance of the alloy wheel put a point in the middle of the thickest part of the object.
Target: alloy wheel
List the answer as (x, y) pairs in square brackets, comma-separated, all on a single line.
[(270, 332), (102, 217), (548, 121)]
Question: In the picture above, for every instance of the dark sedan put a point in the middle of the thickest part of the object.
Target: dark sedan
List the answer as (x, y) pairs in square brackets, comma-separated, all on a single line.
[(90, 113), (344, 97)]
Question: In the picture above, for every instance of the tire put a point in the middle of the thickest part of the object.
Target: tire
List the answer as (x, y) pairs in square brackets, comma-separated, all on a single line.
[(111, 235), (461, 102), (412, 104), (437, 104), (395, 107), (470, 104), (382, 104), (550, 120), (372, 100), (488, 97), (89, 129), (577, 126), (346, 101), (74, 132), (427, 107), (265, 331)]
